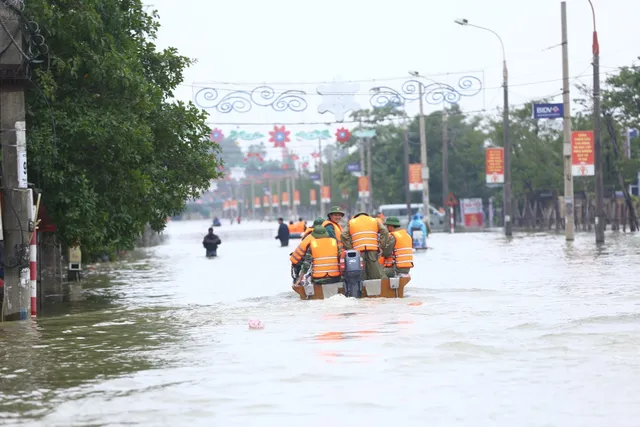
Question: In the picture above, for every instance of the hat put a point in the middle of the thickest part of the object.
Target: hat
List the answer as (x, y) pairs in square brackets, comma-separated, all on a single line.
[(318, 221), (335, 210), (361, 213), (319, 232), (393, 221)]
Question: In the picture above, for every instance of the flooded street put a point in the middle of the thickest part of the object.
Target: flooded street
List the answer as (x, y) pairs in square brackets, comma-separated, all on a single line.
[(527, 332)]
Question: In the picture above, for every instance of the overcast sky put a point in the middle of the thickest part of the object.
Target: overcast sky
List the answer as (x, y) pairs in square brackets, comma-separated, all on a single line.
[(296, 45)]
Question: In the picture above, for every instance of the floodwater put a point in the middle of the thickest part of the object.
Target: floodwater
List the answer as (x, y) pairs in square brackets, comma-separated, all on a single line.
[(527, 332)]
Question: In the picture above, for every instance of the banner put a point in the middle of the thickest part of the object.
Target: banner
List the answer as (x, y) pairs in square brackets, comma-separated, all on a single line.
[(296, 198), (363, 186), (582, 158), (471, 209), (256, 203), (548, 111), (494, 165), (265, 201), (415, 177), (274, 201), (285, 199), (312, 197), (326, 194)]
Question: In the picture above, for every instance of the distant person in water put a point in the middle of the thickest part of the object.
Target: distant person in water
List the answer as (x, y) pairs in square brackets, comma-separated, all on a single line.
[(216, 221), (210, 243), (283, 233)]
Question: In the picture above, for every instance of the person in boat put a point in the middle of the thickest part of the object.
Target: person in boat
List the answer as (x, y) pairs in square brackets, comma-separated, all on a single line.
[(380, 218), (291, 227), (216, 221), (398, 253), (417, 225), (297, 256), (332, 224), (211, 242), (283, 233), (366, 235), (322, 258), (301, 225)]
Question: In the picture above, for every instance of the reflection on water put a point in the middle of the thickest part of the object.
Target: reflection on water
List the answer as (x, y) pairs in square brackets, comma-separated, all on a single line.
[(530, 331)]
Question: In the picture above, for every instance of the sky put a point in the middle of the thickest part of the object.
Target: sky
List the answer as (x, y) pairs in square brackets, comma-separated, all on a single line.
[(300, 45)]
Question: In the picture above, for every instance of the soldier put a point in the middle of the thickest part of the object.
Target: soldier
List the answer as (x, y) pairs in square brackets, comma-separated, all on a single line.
[(322, 257), (366, 235), (297, 256), (398, 253), (332, 224)]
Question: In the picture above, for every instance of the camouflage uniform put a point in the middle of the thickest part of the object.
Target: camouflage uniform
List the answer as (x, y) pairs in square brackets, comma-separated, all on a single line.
[(387, 252), (308, 260)]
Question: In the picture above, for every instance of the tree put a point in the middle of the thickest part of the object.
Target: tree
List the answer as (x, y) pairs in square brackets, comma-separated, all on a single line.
[(121, 154)]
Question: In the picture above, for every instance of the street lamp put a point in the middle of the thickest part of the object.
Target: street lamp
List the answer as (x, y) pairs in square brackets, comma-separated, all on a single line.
[(423, 153), (507, 143)]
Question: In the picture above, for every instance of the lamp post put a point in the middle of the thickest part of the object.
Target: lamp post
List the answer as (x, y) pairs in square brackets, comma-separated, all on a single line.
[(423, 153), (507, 143), (597, 143)]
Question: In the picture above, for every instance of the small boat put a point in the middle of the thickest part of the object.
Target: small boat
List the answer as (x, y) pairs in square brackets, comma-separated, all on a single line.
[(377, 288), (295, 235)]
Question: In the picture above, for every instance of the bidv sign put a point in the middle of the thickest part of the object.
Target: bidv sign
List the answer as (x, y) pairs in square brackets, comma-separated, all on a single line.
[(548, 111)]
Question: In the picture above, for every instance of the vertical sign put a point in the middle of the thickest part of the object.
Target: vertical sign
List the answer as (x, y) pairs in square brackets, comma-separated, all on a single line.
[(363, 186), (415, 177), (265, 201), (274, 201), (326, 194), (494, 165), (582, 157), (285, 199), (21, 148), (296, 198), (471, 210), (312, 197), (256, 203)]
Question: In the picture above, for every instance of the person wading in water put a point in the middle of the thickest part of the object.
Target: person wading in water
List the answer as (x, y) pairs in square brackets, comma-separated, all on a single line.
[(210, 243)]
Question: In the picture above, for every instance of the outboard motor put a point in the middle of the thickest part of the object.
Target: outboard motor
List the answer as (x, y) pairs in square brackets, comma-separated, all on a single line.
[(352, 274)]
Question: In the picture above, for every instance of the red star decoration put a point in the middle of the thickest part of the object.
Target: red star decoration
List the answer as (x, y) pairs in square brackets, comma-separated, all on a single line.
[(279, 136), (343, 135)]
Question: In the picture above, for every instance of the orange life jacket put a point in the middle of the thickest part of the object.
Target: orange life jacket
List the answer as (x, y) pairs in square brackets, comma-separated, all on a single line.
[(300, 226), (338, 230), (364, 233), (402, 251), (308, 231), (325, 258), (292, 228), (297, 255)]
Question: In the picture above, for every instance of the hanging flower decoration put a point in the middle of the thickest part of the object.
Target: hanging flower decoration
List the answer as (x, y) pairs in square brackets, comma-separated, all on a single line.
[(343, 135), (251, 155), (305, 165), (285, 166), (279, 136), (315, 155), (216, 135), (294, 157)]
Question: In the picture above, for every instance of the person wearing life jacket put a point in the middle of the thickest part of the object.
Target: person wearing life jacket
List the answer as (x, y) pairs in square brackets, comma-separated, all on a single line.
[(380, 218), (322, 258), (398, 253), (366, 235), (291, 227), (301, 226), (332, 224), (297, 256)]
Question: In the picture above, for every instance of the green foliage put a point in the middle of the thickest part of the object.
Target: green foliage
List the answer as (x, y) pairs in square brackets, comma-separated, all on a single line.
[(123, 153)]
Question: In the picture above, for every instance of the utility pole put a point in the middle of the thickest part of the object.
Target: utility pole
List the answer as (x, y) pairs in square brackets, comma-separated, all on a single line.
[(423, 160), (321, 167), (293, 191), (363, 201), (16, 209), (508, 224), (566, 128), (407, 192), (370, 175), (445, 166), (253, 199), (599, 219)]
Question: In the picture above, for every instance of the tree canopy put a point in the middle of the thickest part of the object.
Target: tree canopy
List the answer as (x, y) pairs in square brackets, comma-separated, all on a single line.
[(121, 153)]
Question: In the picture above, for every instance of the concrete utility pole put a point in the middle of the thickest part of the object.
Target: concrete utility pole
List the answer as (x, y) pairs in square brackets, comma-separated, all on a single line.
[(17, 206), (293, 191), (363, 200), (445, 165), (407, 191), (566, 148), (370, 175), (423, 159), (600, 218), (321, 167)]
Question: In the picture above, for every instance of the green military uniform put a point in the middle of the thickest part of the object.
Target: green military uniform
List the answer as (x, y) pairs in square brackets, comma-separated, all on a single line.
[(319, 232), (372, 268), (295, 268), (330, 228), (387, 251)]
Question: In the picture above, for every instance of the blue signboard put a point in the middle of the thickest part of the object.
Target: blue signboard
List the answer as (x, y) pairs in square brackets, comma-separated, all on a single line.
[(548, 111), (353, 167), (314, 176)]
